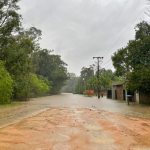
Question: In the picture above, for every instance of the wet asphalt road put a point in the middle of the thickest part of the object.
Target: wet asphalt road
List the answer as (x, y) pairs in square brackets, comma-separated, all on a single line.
[(12, 114)]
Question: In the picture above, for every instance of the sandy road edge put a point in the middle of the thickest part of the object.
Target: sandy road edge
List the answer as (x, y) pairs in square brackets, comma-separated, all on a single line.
[(25, 117)]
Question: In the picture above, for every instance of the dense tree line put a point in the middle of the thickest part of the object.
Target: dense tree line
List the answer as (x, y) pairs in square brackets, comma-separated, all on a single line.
[(89, 81), (70, 84), (26, 70), (133, 61)]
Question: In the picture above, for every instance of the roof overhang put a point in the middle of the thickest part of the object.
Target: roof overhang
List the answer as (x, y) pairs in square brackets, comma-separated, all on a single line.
[(118, 83)]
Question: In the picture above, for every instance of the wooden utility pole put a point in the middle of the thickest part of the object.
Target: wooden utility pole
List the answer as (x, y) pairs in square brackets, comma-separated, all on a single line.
[(98, 60)]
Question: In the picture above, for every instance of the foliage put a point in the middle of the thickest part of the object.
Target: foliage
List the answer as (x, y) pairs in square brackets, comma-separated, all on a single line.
[(5, 85), (21, 86), (38, 87), (135, 53), (80, 89), (9, 18), (30, 85), (70, 84), (105, 81), (133, 61), (106, 78), (139, 80), (92, 82), (11, 104), (33, 70), (86, 73), (49, 83), (53, 68)]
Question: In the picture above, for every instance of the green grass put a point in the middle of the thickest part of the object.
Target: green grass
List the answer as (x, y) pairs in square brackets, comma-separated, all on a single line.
[(11, 104)]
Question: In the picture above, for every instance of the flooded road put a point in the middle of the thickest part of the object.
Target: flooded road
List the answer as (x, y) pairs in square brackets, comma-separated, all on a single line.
[(75, 122)]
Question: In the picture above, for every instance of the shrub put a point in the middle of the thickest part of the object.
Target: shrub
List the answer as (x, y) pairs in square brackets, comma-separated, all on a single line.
[(21, 86), (29, 86), (5, 84), (38, 87)]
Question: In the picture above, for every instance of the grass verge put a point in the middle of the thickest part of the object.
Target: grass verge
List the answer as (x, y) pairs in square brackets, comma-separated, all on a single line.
[(11, 104)]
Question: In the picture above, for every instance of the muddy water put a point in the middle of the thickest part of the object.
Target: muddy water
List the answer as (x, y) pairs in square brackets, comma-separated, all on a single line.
[(9, 115)]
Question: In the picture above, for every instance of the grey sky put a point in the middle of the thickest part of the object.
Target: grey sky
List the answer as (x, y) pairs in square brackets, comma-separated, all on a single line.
[(77, 29)]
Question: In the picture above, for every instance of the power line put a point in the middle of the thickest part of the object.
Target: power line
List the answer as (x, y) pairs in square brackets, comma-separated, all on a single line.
[(127, 29), (107, 62), (126, 22), (130, 60), (114, 23)]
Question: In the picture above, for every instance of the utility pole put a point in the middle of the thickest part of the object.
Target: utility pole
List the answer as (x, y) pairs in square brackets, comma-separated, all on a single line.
[(98, 60)]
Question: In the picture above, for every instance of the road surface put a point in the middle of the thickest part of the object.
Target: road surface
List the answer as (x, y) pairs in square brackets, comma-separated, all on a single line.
[(75, 122)]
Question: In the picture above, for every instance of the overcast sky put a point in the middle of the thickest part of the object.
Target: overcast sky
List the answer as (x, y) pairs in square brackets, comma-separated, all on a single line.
[(80, 29)]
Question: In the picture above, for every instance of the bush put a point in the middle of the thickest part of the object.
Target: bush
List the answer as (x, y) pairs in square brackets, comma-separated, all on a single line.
[(29, 86), (38, 87), (139, 79), (21, 86), (5, 85)]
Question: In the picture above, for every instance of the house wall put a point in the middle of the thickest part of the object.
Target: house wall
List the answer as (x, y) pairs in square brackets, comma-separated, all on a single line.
[(113, 91), (119, 92), (137, 97), (144, 98)]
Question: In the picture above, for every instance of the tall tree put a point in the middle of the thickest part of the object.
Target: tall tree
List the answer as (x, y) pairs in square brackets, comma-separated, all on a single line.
[(9, 23), (133, 61), (52, 67), (137, 52)]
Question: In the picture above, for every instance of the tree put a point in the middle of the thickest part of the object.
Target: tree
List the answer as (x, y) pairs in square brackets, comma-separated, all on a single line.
[(105, 81), (139, 80), (86, 73), (92, 82), (9, 23), (133, 61), (70, 84), (53, 68), (9, 18), (137, 52), (5, 84)]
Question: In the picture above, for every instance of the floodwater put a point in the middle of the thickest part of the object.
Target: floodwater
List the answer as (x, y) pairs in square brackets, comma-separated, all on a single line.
[(9, 115), (75, 122)]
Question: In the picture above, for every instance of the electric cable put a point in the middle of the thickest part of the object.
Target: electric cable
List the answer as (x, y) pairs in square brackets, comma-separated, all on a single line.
[(115, 22), (125, 30)]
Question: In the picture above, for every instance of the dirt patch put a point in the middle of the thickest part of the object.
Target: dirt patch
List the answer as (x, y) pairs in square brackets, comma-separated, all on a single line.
[(77, 129)]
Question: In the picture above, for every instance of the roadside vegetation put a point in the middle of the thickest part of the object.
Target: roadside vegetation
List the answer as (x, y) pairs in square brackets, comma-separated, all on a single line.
[(133, 61), (88, 79), (26, 70), (11, 104)]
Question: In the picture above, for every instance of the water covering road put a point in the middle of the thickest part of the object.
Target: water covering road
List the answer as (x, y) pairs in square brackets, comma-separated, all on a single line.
[(72, 122), (9, 115)]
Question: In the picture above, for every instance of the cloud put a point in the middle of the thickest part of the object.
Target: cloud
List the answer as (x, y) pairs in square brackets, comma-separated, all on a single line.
[(77, 29)]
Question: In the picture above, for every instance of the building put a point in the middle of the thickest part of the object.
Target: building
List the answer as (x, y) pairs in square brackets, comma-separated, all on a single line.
[(119, 92)]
